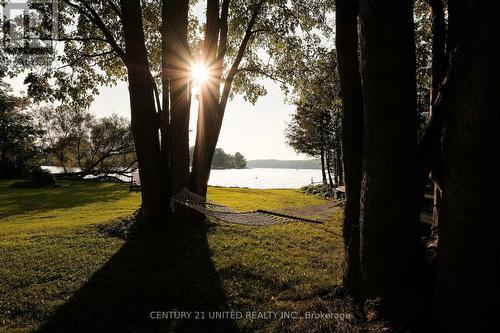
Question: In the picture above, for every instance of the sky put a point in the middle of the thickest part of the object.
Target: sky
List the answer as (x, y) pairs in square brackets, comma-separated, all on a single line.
[(256, 131)]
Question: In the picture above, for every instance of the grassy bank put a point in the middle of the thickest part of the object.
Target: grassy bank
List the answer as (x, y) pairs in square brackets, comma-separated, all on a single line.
[(59, 268)]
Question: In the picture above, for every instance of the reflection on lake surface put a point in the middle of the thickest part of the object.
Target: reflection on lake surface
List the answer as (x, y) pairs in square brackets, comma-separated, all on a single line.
[(255, 178), (264, 177)]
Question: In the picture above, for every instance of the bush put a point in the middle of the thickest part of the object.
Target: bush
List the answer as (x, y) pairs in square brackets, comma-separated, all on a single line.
[(321, 190), (40, 177)]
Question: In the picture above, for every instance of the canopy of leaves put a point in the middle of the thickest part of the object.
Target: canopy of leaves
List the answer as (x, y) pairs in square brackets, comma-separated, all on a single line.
[(222, 160), (316, 121), (75, 139), (90, 55), (18, 134)]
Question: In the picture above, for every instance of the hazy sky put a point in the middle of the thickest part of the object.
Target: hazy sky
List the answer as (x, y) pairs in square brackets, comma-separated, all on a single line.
[(257, 131)]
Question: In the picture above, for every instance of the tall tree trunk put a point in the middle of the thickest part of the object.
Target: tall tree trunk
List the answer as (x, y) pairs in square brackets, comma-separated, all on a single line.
[(213, 103), (179, 59), (328, 168), (389, 203), (352, 136), (143, 110), (338, 161), (208, 106), (439, 64), (468, 260), (164, 115), (322, 158)]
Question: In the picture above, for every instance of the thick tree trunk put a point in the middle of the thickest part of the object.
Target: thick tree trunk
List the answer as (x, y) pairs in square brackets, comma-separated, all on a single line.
[(439, 64), (209, 105), (213, 102), (389, 204), (143, 110), (164, 115), (352, 136), (179, 59), (468, 260)]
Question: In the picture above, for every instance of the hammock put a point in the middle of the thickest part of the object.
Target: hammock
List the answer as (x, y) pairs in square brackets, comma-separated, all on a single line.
[(226, 214)]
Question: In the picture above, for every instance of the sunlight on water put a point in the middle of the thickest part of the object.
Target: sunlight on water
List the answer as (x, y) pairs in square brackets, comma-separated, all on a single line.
[(253, 178), (264, 178)]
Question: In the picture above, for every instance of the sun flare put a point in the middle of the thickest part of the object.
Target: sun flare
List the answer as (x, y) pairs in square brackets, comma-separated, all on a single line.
[(199, 73)]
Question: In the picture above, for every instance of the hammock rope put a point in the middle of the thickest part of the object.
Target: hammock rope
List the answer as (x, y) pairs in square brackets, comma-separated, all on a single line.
[(226, 214)]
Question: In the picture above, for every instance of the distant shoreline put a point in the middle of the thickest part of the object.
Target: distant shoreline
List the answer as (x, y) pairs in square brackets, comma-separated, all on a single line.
[(284, 164)]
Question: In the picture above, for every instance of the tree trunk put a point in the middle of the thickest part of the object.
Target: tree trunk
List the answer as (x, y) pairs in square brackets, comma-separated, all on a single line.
[(322, 158), (389, 215), (143, 110), (178, 67), (338, 161), (208, 106), (439, 64), (352, 136), (328, 169), (164, 115), (468, 261), (213, 102)]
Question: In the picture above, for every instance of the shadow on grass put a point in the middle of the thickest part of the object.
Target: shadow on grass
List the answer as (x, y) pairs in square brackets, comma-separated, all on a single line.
[(169, 270), (67, 194)]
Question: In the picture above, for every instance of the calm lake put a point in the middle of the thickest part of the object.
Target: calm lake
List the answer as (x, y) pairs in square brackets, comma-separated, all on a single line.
[(256, 177)]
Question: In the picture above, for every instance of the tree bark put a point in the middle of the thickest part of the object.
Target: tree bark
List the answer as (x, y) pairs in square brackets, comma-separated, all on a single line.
[(212, 102), (322, 158), (352, 136), (338, 161), (389, 251), (468, 260), (208, 106), (179, 57), (439, 64), (164, 114), (143, 110), (328, 169)]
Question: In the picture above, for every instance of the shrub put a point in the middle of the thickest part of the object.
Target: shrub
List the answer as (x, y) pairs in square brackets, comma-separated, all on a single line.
[(40, 177), (321, 190)]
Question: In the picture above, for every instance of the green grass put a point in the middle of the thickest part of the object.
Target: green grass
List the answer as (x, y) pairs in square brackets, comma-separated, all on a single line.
[(58, 268)]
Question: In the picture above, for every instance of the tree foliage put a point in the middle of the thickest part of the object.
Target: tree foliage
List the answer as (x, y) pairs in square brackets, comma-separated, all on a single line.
[(18, 134), (315, 126), (82, 145), (223, 160)]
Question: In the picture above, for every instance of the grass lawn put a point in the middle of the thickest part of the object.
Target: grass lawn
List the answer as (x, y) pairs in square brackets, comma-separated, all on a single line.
[(59, 271)]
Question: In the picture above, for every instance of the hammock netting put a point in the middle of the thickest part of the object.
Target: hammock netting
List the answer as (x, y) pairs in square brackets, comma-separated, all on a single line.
[(226, 214)]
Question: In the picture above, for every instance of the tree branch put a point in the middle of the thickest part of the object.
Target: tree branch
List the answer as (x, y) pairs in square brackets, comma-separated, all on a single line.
[(92, 15), (223, 31), (261, 72), (237, 60)]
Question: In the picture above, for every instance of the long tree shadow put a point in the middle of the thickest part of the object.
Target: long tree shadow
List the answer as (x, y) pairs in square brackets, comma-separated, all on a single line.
[(68, 194), (168, 270)]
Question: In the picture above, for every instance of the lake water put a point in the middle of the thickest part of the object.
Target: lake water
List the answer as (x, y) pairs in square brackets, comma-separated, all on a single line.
[(264, 177), (257, 177)]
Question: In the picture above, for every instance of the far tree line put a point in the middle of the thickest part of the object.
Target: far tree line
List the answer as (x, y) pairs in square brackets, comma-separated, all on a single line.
[(223, 160)]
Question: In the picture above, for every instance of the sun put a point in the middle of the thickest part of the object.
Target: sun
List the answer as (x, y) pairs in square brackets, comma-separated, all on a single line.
[(199, 73)]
